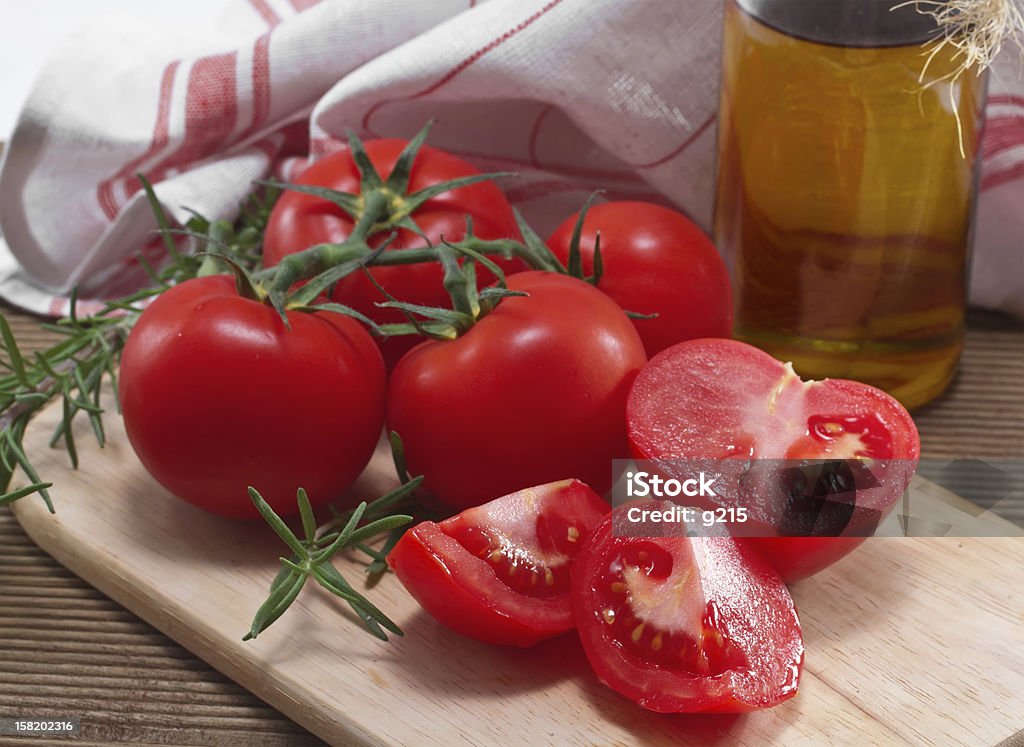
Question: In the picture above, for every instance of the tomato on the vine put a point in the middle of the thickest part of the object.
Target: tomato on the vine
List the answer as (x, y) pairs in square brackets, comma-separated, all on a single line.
[(723, 399), (301, 220), (656, 261), (499, 572), (218, 394), (535, 391), (684, 624)]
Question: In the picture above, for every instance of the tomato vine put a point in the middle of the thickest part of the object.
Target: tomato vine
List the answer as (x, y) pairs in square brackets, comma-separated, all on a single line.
[(76, 370)]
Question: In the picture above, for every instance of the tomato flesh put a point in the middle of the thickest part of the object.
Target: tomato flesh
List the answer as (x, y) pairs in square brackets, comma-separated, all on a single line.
[(500, 572), (685, 624), (723, 399), (540, 574), (655, 610)]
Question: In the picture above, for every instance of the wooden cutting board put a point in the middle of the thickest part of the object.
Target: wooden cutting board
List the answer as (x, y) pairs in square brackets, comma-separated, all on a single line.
[(908, 640)]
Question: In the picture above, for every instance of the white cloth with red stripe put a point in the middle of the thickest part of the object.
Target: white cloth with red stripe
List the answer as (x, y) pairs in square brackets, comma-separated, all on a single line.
[(574, 95)]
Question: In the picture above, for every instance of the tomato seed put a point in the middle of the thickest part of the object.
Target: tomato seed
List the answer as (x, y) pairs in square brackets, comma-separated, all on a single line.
[(637, 633)]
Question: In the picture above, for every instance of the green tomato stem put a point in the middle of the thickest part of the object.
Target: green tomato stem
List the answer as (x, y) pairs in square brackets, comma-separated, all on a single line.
[(317, 259)]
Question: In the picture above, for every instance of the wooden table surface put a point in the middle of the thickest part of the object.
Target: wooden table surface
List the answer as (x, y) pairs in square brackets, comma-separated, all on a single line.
[(66, 650)]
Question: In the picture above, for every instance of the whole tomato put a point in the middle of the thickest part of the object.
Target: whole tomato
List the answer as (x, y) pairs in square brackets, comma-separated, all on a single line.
[(656, 261), (534, 392), (300, 220), (218, 394)]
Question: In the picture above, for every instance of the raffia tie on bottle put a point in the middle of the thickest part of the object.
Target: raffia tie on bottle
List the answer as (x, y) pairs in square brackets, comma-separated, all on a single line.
[(977, 29)]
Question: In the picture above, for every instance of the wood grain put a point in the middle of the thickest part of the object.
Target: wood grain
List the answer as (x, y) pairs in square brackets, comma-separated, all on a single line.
[(909, 640)]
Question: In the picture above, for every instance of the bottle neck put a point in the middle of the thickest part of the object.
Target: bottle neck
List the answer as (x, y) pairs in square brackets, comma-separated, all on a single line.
[(846, 23)]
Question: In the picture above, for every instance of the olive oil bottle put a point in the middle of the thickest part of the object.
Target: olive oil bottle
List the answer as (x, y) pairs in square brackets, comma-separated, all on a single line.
[(846, 189)]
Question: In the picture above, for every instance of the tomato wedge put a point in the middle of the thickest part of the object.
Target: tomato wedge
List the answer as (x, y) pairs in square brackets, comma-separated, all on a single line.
[(722, 399), (499, 572), (684, 624)]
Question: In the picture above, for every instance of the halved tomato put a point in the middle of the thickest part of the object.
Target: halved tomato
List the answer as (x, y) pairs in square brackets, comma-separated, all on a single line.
[(684, 624), (499, 572), (717, 399)]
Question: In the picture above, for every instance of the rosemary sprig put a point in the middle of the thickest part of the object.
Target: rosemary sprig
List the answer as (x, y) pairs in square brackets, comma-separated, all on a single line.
[(311, 556), (379, 557)]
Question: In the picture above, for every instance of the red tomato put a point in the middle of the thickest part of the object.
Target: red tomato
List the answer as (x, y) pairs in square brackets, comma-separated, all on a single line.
[(655, 261), (723, 399), (218, 394), (684, 624), (535, 391), (499, 573), (299, 221)]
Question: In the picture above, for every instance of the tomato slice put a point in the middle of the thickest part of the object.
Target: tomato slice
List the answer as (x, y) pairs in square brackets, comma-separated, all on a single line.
[(684, 624), (499, 572), (723, 399)]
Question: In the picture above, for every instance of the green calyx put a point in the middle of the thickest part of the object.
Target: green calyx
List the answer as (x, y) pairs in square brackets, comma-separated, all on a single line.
[(469, 304), (397, 205), (383, 205), (575, 265)]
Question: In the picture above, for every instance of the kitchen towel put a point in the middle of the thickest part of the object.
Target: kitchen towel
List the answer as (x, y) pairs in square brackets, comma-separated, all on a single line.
[(572, 95)]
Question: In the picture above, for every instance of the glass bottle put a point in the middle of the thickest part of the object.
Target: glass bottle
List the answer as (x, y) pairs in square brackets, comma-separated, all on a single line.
[(846, 189)]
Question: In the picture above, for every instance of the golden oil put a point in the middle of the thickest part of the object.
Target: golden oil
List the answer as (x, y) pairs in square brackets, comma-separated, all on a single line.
[(846, 191)]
